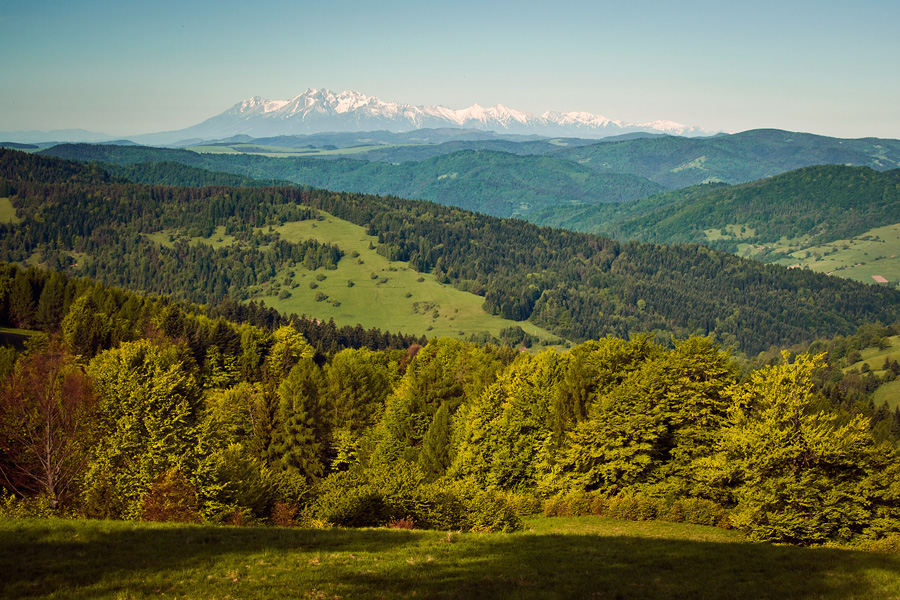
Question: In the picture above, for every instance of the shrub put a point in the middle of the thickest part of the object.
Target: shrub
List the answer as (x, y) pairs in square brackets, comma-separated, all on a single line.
[(171, 498), (404, 523), (489, 511), (19, 508), (524, 504), (283, 514), (398, 492), (703, 512)]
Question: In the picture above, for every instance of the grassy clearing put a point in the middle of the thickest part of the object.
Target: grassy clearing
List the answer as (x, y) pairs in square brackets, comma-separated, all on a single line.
[(888, 393), (8, 212), (217, 240), (876, 252), (384, 294), (584, 557), (739, 232)]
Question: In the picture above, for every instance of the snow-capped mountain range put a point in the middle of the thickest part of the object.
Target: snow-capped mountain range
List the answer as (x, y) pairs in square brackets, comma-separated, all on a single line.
[(321, 110)]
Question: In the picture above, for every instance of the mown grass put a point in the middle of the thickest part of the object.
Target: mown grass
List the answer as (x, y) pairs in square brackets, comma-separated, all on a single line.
[(582, 557)]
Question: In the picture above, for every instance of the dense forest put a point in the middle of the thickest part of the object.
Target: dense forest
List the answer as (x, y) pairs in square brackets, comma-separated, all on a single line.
[(505, 177), (677, 162), (495, 183), (826, 203), (133, 407), (578, 286)]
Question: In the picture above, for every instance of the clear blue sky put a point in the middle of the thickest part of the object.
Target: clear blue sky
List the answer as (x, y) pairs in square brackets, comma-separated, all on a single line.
[(124, 67)]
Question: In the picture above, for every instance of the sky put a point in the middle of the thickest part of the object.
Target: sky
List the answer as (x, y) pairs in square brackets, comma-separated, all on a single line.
[(127, 67)]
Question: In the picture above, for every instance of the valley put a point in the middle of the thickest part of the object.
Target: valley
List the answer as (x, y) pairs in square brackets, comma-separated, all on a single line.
[(570, 300)]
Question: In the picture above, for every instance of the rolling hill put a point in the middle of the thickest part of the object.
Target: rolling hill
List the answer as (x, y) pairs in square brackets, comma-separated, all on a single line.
[(824, 203), (495, 183), (676, 162), (577, 286)]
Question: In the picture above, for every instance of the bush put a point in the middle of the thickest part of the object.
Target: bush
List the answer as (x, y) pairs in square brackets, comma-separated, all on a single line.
[(283, 514), (524, 504), (398, 492), (171, 498), (20, 508), (404, 523), (637, 507)]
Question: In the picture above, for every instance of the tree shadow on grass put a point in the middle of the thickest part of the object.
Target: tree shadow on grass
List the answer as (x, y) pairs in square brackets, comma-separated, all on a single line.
[(106, 559), (585, 566), (87, 559)]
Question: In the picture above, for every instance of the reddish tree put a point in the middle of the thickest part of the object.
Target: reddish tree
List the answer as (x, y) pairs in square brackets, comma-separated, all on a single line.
[(46, 406)]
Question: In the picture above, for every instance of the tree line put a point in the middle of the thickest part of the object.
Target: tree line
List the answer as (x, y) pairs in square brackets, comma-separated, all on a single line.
[(132, 407)]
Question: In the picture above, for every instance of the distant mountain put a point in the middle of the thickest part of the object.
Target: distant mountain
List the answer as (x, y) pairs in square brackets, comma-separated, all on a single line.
[(321, 110), (676, 162)]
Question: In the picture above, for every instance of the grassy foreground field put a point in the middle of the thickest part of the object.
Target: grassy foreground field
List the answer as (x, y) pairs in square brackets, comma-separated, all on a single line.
[(583, 557)]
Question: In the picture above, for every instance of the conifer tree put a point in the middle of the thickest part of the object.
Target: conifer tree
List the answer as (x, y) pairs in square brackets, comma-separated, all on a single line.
[(435, 457), (299, 439)]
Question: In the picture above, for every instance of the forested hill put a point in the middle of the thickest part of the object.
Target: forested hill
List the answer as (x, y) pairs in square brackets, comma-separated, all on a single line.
[(577, 285), (495, 183), (827, 203), (680, 162)]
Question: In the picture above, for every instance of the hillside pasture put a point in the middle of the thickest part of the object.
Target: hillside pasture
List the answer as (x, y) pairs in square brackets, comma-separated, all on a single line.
[(8, 212), (384, 294), (873, 253), (874, 358)]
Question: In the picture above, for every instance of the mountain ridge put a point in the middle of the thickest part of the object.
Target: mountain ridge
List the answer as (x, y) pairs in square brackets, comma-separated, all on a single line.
[(322, 110)]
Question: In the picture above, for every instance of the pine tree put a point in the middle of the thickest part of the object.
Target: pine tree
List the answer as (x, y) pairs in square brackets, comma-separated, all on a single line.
[(298, 441), (434, 457)]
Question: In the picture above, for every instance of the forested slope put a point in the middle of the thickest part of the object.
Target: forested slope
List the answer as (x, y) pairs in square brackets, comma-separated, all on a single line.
[(496, 183), (680, 162), (133, 407), (578, 286), (826, 203), (161, 410)]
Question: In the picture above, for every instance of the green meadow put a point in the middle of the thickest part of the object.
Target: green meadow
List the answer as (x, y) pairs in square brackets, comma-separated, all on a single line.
[(873, 253), (371, 290), (8, 212), (577, 557), (888, 393)]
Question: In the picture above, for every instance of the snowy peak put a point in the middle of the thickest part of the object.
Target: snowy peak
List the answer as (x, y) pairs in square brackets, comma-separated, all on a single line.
[(322, 110)]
